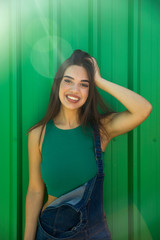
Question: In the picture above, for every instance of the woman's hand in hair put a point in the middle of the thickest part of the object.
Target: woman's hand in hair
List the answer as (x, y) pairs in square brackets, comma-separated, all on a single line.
[(97, 75)]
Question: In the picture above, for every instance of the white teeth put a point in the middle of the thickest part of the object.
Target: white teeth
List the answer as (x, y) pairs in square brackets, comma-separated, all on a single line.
[(73, 98)]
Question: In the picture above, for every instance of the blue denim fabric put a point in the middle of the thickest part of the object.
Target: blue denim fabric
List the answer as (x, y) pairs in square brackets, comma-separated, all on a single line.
[(79, 214)]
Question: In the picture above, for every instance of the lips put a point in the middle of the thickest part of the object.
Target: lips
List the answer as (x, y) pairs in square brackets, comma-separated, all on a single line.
[(72, 97)]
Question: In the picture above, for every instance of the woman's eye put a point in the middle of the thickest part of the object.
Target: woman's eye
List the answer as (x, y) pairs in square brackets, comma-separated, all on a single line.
[(66, 80), (84, 85)]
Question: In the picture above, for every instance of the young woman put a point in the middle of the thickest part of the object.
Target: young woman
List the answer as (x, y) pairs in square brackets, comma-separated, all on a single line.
[(66, 152)]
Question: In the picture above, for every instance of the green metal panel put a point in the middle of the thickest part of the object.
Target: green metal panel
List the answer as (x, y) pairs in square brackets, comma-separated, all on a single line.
[(124, 36)]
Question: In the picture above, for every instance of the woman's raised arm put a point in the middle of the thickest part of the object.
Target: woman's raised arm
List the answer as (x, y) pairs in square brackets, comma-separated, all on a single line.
[(138, 108)]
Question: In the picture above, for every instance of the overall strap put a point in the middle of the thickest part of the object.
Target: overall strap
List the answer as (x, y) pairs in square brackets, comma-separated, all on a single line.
[(98, 150)]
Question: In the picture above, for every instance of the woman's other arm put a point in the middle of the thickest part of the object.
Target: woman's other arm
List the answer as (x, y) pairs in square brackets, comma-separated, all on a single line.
[(138, 108), (36, 187), (135, 103)]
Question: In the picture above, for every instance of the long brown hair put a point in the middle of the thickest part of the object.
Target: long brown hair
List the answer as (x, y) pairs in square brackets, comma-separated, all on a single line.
[(93, 110)]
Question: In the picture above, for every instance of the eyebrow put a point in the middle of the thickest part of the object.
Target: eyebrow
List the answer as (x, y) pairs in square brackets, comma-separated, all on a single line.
[(73, 78)]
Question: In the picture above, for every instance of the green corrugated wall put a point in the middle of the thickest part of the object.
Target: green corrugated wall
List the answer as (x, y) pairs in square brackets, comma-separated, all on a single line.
[(124, 36)]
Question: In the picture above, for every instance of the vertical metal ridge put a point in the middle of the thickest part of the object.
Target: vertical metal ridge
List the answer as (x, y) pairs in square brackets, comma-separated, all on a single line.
[(138, 130), (90, 27), (99, 31), (50, 5), (13, 125), (130, 134), (111, 58), (59, 32), (19, 122), (10, 125), (136, 79)]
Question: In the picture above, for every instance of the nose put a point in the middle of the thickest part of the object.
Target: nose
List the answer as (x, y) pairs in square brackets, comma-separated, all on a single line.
[(75, 87)]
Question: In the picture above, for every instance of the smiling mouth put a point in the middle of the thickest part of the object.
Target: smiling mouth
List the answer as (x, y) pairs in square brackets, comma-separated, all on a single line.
[(72, 99)]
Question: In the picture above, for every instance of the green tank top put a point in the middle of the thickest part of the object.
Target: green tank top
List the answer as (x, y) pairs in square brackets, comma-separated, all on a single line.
[(68, 158)]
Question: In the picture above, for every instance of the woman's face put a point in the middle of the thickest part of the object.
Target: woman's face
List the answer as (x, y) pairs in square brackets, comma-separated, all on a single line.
[(74, 87)]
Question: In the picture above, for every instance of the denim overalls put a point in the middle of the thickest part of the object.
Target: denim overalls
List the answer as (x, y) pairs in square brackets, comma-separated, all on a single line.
[(78, 214)]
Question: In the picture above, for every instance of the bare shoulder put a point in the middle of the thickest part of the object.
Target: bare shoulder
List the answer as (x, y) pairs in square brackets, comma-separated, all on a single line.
[(36, 183), (35, 135)]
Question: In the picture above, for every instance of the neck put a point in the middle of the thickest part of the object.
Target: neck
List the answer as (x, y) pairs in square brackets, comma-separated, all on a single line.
[(68, 118)]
